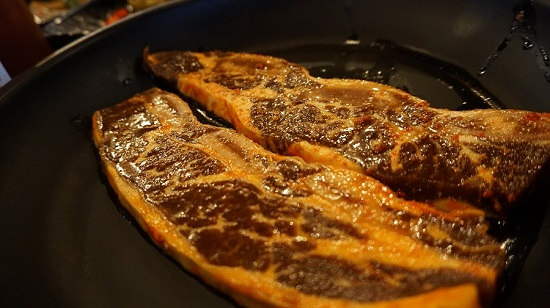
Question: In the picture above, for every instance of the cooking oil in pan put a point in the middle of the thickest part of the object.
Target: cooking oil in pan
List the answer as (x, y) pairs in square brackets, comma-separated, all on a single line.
[(442, 84), (524, 20)]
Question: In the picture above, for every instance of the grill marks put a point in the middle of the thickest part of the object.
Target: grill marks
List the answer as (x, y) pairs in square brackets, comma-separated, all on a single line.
[(239, 206), (489, 158)]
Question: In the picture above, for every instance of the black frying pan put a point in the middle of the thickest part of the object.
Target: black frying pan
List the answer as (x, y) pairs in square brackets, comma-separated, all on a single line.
[(64, 239)]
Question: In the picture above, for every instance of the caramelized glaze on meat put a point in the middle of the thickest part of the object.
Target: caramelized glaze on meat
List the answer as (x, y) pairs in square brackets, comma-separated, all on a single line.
[(274, 230), (490, 158)]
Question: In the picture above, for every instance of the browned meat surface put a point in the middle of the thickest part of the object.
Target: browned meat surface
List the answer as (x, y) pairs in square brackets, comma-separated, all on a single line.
[(490, 158), (273, 230)]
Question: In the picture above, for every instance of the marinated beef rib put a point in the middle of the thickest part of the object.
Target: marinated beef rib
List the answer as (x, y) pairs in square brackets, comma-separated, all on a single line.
[(273, 230), (490, 158)]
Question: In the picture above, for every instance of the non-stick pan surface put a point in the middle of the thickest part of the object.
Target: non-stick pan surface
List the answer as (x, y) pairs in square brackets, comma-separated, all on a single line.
[(65, 241)]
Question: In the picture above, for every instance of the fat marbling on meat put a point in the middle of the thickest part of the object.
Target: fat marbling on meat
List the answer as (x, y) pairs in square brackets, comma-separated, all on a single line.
[(272, 230), (490, 158)]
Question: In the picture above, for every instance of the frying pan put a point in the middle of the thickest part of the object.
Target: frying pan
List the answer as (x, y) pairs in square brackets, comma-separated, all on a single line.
[(65, 240)]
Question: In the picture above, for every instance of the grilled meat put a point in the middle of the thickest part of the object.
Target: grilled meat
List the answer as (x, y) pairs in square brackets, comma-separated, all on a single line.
[(490, 158), (273, 230)]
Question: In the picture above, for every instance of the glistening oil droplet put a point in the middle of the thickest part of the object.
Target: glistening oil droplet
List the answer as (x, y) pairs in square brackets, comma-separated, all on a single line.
[(545, 58), (527, 44), (482, 71), (127, 82)]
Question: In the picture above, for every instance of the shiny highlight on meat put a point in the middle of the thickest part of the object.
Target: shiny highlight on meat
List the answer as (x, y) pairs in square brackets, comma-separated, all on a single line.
[(275, 230)]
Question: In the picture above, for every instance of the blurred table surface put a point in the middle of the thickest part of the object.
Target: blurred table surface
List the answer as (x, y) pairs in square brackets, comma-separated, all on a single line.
[(64, 21)]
